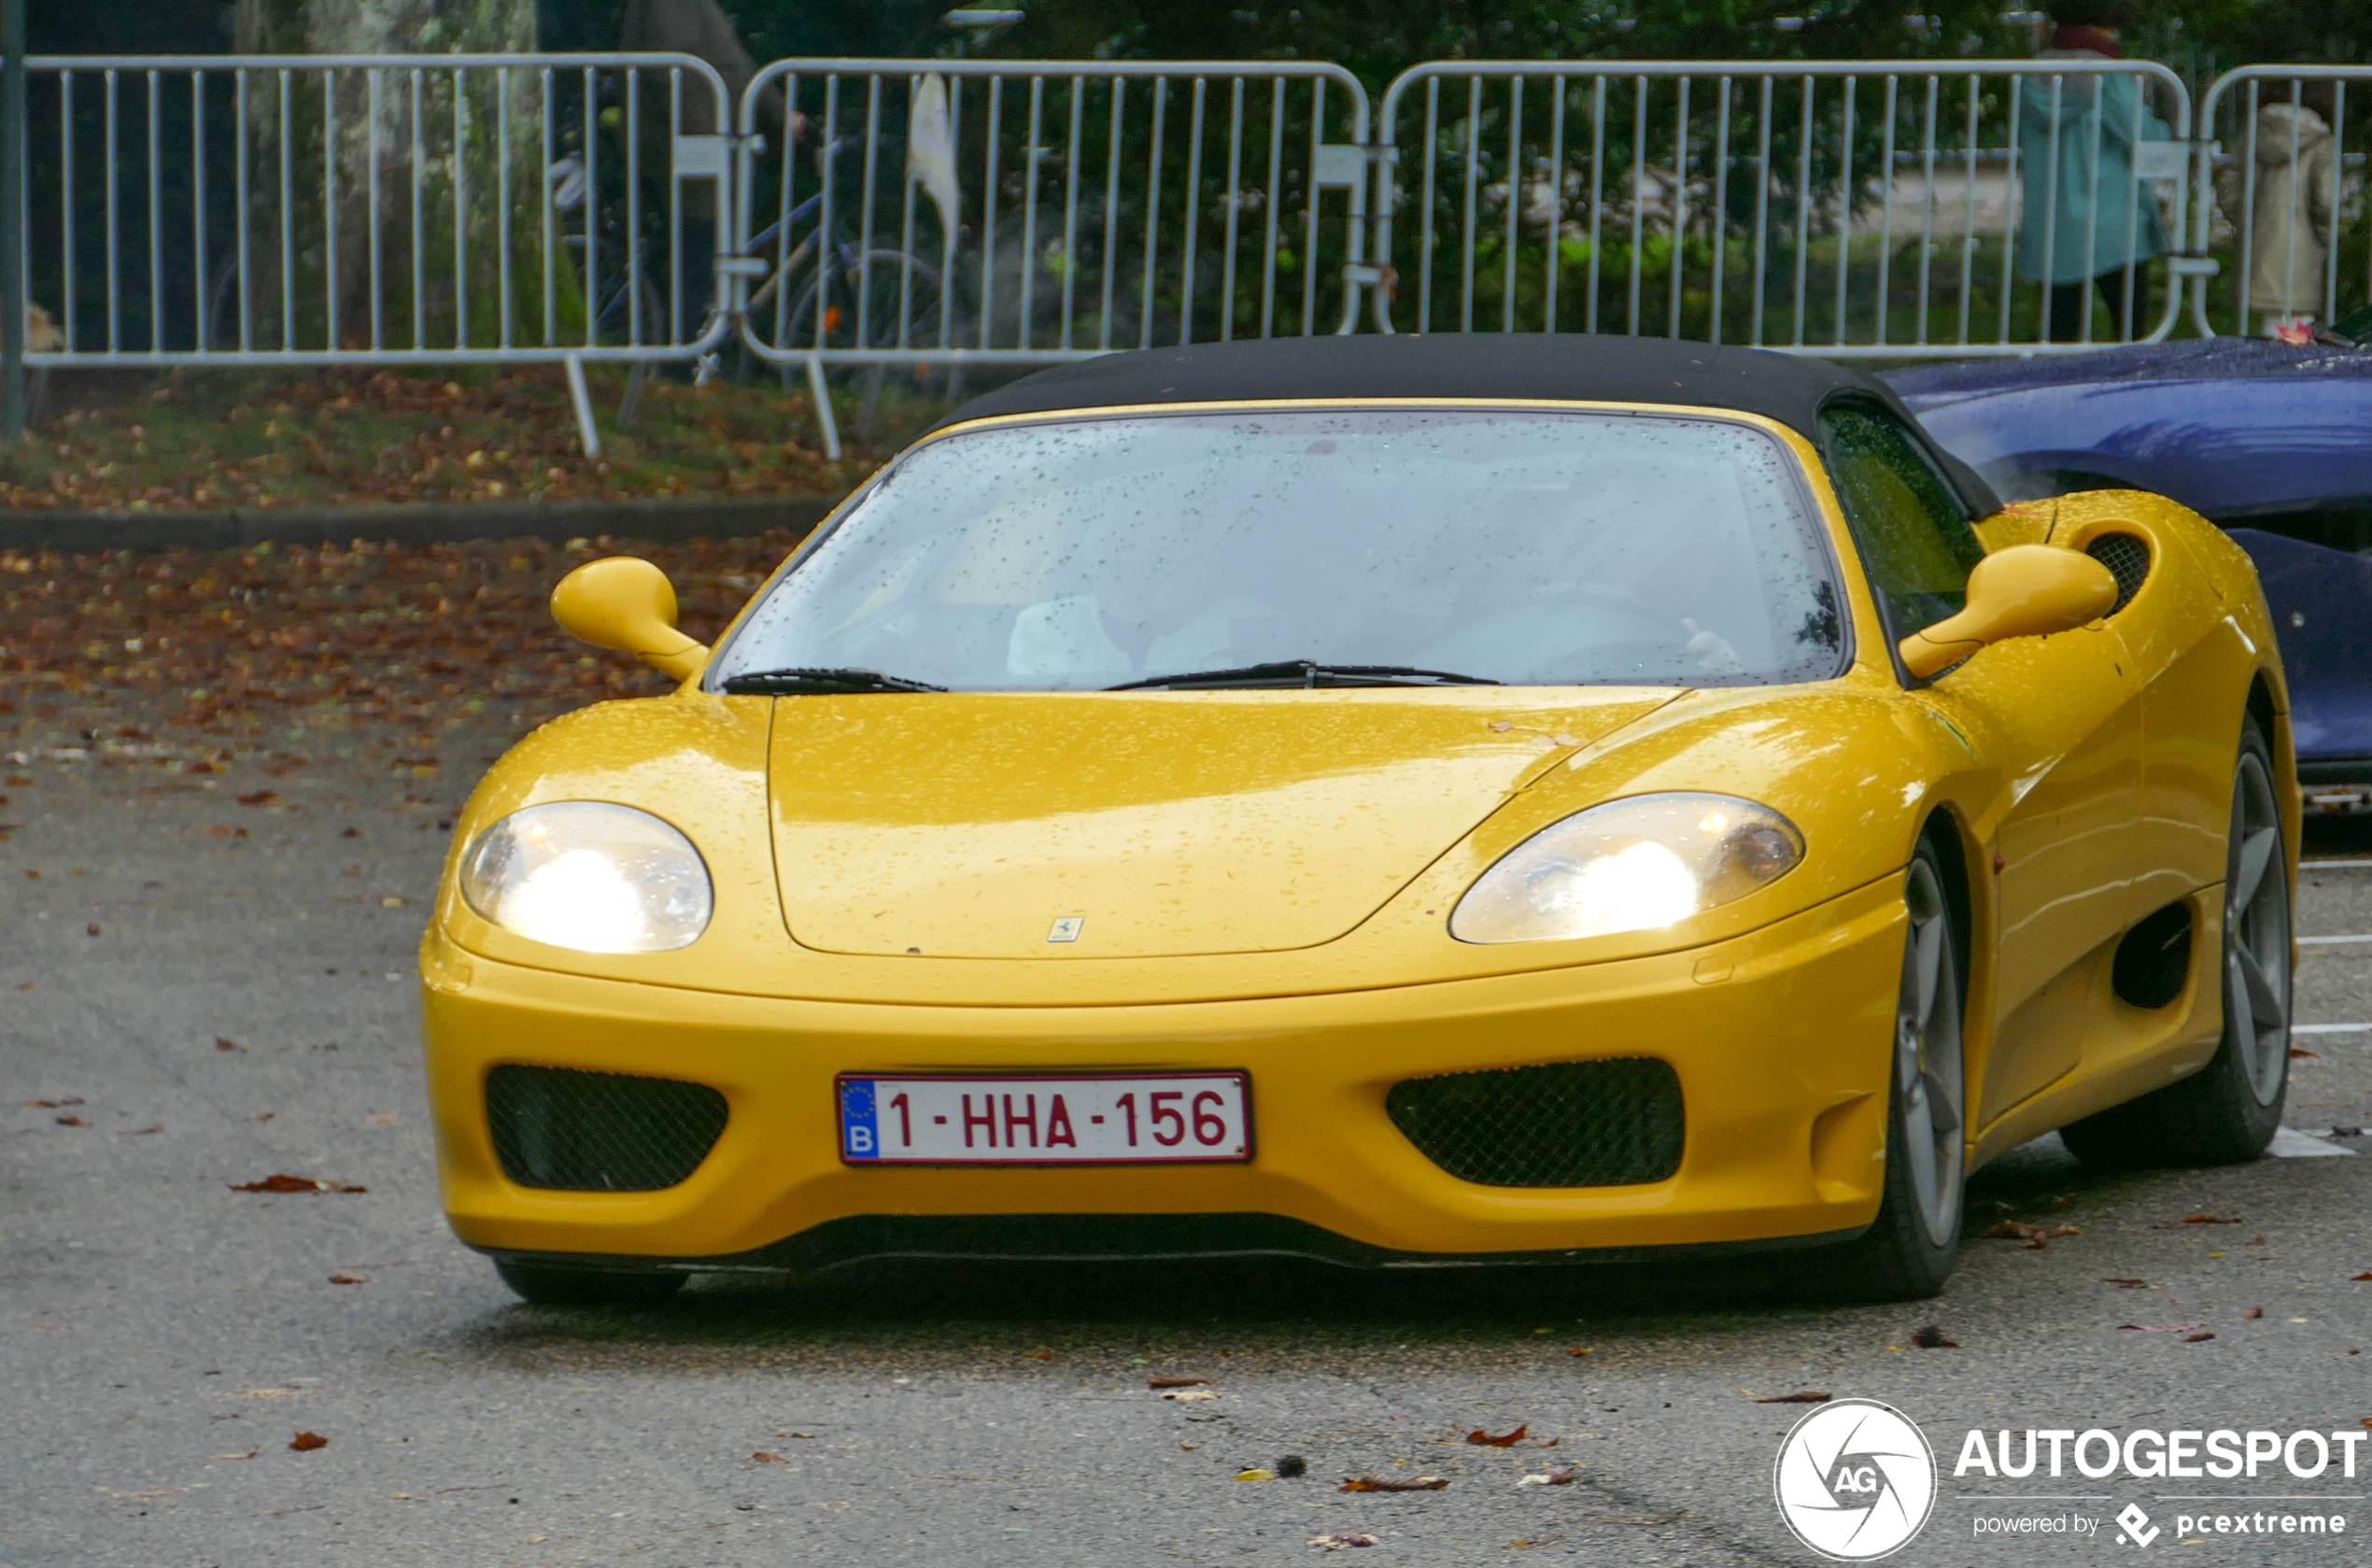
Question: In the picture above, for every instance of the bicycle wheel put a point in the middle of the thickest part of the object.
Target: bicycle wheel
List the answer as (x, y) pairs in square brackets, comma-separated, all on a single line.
[(884, 298)]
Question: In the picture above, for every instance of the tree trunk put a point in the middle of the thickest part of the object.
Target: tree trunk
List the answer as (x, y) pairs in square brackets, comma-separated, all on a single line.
[(384, 26), (401, 241)]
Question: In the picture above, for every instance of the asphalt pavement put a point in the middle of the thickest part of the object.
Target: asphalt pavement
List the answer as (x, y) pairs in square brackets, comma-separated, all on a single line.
[(198, 993)]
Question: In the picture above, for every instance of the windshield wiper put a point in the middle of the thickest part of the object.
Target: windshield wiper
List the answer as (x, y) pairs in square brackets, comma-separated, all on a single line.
[(818, 683), (1306, 674)]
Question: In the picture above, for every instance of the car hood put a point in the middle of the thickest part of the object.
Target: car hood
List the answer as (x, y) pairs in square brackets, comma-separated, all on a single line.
[(968, 826), (2184, 359), (2230, 429)]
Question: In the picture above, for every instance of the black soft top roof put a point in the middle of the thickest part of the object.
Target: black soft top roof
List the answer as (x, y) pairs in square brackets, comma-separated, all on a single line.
[(1561, 366)]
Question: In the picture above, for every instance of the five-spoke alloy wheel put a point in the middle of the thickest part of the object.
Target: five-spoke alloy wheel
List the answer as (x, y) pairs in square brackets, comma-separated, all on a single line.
[(2229, 1109), (1909, 1249)]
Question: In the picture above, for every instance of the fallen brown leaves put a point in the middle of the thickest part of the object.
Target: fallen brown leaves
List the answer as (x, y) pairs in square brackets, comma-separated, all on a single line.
[(295, 1184), (339, 436), (2037, 1237), (1807, 1396), (1482, 1438), (1176, 1383), (305, 1442), (2189, 1325), (225, 644), (1387, 1483), (1931, 1338)]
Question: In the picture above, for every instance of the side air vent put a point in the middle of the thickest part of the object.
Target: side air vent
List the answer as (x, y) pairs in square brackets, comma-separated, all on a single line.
[(2153, 963), (598, 1132), (1607, 1123), (2128, 557)]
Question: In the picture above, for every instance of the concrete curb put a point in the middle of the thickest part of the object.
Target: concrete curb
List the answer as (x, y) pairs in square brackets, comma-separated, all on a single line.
[(232, 528)]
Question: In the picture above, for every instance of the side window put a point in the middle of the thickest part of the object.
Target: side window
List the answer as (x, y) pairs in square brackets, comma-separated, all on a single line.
[(1912, 533)]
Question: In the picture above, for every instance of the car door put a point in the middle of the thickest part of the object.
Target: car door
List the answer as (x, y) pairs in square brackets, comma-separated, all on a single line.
[(2054, 720)]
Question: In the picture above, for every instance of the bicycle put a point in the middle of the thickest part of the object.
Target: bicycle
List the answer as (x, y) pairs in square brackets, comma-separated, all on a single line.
[(841, 293)]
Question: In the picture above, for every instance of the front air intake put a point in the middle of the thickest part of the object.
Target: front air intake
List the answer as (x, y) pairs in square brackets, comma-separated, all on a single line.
[(600, 1132), (1607, 1123), (2127, 559)]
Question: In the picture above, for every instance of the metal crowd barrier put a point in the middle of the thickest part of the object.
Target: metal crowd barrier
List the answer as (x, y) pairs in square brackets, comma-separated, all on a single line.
[(935, 215), (264, 210), (1852, 209), (918, 218), (2281, 197)]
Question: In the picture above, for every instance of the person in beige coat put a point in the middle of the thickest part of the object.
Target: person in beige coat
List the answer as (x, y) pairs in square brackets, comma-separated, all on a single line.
[(2279, 193)]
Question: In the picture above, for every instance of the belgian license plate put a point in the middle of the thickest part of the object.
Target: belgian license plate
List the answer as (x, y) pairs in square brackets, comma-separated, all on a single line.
[(1045, 1120)]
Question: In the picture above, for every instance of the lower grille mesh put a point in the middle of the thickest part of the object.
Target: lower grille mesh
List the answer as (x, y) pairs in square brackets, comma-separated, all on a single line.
[(598, 1132), (1606, 1124)]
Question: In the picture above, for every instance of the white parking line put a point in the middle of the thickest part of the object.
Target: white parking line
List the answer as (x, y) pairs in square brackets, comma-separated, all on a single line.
[(2304, 865), (2331, 1028), (2326, 942)]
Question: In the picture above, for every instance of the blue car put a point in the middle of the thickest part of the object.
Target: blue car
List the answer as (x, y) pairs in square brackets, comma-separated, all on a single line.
[(2272, 441)]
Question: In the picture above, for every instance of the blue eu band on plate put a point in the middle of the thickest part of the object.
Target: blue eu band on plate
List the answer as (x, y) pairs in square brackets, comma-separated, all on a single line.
[(1037, 1119)]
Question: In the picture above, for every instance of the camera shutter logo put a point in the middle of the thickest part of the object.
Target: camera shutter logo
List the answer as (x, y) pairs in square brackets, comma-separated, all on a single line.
[(1855, 1480)]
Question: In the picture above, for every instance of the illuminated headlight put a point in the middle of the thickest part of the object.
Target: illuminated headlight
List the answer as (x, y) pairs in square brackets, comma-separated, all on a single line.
[(591, 876), (1636, 864)]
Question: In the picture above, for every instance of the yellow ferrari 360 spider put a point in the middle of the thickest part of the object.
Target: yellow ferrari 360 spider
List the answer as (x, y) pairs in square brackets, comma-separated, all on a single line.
[(1391, 800)]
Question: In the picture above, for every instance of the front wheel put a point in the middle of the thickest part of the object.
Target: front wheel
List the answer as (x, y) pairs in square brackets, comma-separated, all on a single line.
[(1909, 1250), (2228, 1111)]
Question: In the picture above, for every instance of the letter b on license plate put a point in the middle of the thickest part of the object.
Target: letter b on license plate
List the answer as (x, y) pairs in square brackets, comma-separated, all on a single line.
[(1044, 1119)]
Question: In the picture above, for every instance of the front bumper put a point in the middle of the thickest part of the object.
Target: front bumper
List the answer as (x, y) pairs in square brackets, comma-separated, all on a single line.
[(1780, 1039)]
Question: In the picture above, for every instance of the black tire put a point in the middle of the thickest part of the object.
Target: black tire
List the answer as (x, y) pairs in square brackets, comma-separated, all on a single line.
[(2227, 1111), (548, 1285), (1909, 1250)]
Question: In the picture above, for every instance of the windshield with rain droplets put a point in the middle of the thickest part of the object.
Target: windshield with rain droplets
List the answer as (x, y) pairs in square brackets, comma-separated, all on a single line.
[(1521, 548)]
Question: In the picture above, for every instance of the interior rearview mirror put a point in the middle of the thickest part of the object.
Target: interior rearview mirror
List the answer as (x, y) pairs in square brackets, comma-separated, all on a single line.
[(624, 603), (2026, 590)]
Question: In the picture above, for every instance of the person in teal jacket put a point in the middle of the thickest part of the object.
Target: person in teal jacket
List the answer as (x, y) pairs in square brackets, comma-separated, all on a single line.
[(2086, 220)]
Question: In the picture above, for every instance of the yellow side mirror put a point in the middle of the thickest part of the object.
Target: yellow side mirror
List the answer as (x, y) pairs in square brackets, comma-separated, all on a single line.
[(624, 603), (2026, 590)]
